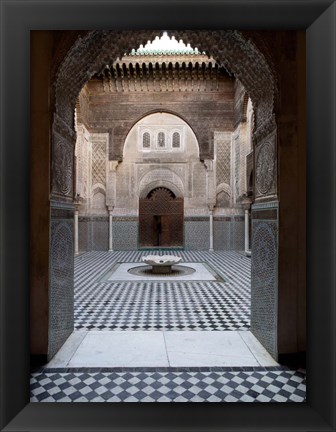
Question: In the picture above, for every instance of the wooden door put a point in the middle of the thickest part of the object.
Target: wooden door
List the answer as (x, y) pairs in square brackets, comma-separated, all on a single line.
[(161, 219)]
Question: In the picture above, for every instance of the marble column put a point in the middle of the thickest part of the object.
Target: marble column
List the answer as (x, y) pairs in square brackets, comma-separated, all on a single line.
[(76, 245), (110, 209), (247, 246), (211, 248), (246, 205)]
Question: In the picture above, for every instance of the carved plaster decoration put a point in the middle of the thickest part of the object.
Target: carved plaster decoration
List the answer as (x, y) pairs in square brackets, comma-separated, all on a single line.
[(264, 129), (230, 49), (62, 167), (113, 165), (99, 158), (160, 138), (208, 163), (64, 129), (266, 167), (211, 182), (160, 177), (111, 183)]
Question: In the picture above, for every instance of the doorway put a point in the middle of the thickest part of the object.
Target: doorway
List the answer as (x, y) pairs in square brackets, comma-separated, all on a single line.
[(161, 219)]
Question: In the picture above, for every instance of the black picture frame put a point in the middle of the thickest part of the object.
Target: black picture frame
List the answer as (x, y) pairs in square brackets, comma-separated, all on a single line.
[(317, 17)]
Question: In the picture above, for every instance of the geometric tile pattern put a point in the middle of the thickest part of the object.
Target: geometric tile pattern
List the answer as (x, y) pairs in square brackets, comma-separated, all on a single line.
[(61, 291), (162, 305), (196, 235), (264, 262), (229, 234), (125, 235), (276, 384)]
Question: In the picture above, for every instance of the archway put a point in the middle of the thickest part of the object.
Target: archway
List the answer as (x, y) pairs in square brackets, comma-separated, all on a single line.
[(161, 219), (243, 59)]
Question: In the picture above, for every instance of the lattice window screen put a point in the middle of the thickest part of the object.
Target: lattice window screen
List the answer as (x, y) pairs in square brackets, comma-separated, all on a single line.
[(176, 140), (146, 140)]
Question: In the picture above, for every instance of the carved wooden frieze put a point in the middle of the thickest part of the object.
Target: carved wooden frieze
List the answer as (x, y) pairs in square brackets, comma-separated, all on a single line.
[(238, 55)]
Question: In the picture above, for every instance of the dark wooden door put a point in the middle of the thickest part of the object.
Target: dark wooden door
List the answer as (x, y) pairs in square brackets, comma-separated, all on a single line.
[(161, 219)]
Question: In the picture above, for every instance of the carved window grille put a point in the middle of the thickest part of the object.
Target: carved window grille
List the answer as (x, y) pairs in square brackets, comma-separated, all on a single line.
[(176, 140), (146, 140), (161, 140)]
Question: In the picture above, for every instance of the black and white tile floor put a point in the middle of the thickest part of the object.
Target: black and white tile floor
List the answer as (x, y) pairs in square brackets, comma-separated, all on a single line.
[(215, 385), (152, 305)]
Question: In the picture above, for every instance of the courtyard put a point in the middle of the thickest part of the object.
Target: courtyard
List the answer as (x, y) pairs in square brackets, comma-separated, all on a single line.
[(164, 340)]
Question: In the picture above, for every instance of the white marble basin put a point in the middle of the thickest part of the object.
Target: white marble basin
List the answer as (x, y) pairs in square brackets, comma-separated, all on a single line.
[(161, 264), (161, 260)]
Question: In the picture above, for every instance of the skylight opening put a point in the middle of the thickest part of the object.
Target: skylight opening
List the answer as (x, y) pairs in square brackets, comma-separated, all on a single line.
[(166, 45)]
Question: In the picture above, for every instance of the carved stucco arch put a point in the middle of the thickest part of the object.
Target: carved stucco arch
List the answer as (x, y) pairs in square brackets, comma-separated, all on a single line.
[(223, 187), (239, 55), (161, 177), (98, 188), (160, 183), (89, 54)]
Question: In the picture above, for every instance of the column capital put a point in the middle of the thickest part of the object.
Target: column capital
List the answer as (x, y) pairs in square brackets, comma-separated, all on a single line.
[(245, 202), (110, 208), (113, 165), (208, 163)]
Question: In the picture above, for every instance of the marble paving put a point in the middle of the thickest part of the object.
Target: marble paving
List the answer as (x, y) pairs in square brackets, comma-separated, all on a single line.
[(161, 349), (159, 341), (221, 303)]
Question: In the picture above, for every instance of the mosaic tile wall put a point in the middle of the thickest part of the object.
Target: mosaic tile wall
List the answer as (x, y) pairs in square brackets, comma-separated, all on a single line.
[(264, 279), (125, 235), (229, 233), (61, 287), (196, 234), (238, 233), (93, 233)]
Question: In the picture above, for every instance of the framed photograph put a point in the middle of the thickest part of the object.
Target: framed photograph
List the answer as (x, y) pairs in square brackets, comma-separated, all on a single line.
[(275, 64)]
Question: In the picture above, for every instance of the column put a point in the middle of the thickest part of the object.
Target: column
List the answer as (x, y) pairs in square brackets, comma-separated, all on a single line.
[(247, 246), (211, 229), (246, 205), (76, 230), (211, 195), (110, 209)]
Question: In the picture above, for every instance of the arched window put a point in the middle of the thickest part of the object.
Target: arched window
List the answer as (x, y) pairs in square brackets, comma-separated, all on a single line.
[(146, 140), (176, 140), (161, 142)]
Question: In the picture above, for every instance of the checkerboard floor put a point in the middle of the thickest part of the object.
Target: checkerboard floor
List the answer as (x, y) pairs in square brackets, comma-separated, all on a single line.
[(154, 305), (221, 385)]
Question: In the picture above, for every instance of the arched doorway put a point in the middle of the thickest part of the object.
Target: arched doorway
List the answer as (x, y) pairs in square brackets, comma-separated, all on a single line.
[(161, 219), (275, 285)]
